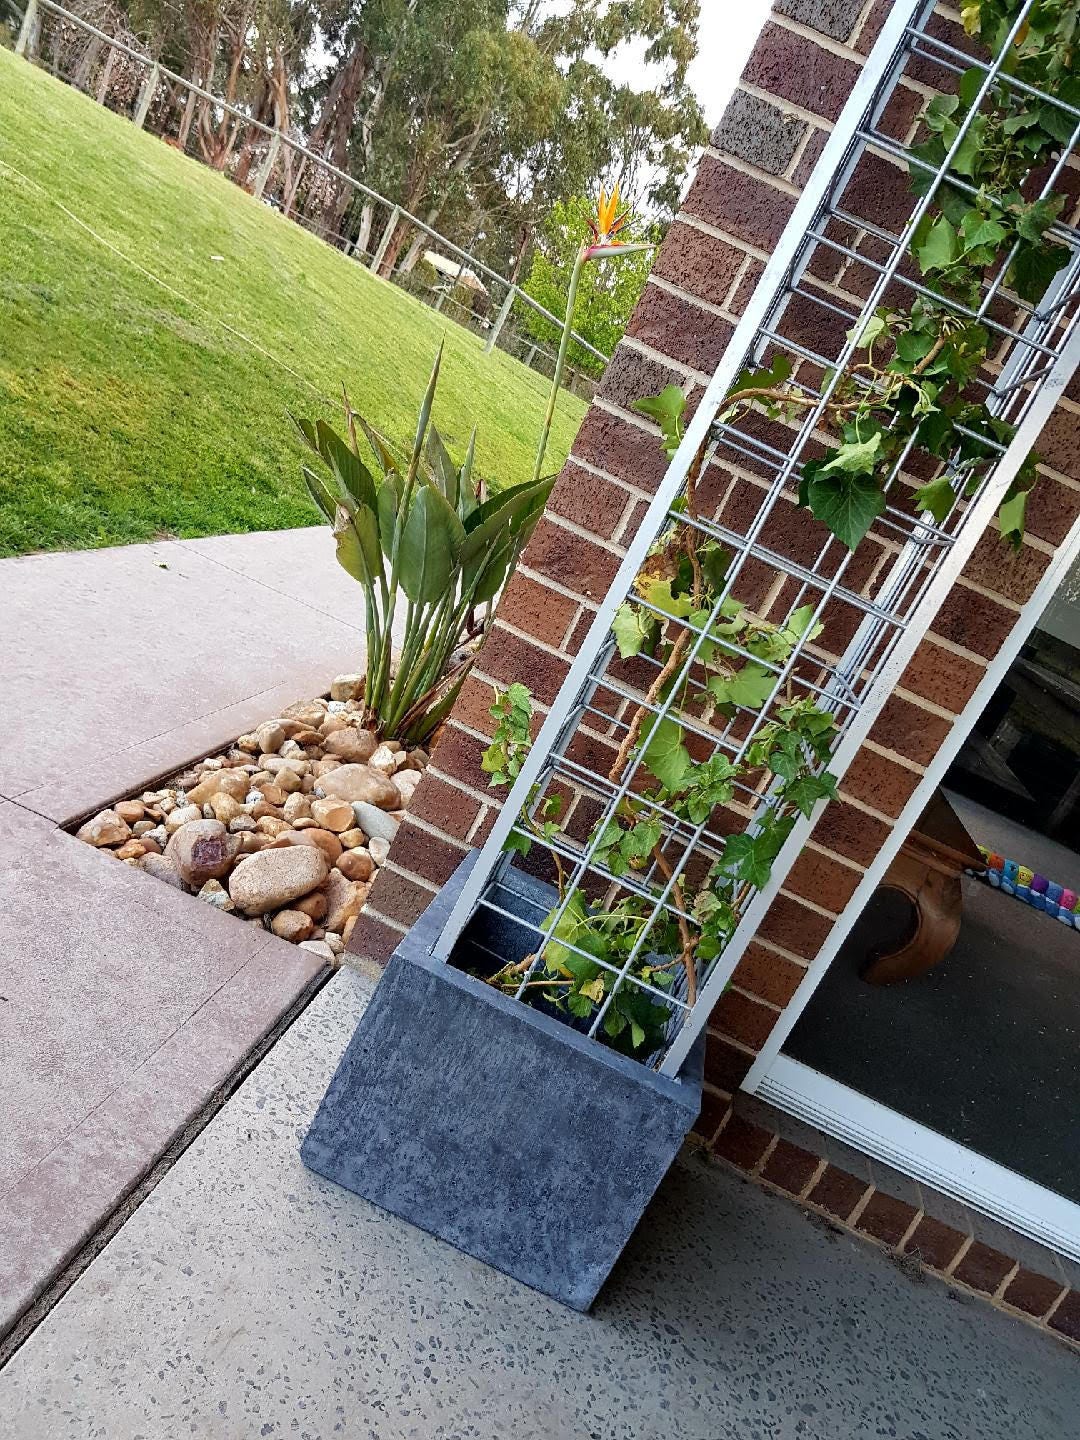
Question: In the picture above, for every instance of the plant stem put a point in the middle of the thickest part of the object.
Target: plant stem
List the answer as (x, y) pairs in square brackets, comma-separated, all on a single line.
[(560, 363)]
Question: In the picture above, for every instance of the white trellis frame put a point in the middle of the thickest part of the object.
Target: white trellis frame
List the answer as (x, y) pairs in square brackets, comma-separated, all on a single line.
[(1038, 354)]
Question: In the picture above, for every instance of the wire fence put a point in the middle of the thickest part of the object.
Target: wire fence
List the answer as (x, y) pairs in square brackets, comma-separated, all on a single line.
[(276, 167)]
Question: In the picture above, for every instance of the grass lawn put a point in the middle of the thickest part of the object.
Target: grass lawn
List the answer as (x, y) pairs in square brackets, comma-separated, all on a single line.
[(130, 406)]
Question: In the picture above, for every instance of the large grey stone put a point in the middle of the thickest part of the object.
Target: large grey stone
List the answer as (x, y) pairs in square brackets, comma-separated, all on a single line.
[(497, 1127)]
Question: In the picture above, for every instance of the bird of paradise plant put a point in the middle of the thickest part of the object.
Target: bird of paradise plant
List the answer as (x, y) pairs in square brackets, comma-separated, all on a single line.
[(606, 243)]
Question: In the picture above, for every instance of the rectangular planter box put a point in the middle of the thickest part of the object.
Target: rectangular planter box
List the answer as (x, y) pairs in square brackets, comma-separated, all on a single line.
[(494, 1126)]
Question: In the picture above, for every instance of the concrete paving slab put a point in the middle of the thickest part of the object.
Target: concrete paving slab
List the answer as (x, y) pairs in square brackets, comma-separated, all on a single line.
[(248, 1297)]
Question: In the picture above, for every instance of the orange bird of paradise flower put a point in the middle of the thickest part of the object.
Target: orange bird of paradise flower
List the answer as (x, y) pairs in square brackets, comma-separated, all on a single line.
[(606, 226)]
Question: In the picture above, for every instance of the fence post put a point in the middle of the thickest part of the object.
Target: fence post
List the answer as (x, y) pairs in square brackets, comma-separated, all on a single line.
[(25, 43), (384, 239), (501, 319), (266, 169), (146, 96)]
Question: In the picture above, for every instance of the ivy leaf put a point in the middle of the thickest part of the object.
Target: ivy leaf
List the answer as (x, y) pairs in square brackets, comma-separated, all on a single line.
[(874, 328), (976, 232), (940, 248), (667, 410), (1033, 221), (1011, 517), (633, 630), (847, 504), (937, 497), (805, 792), (517, 843), (665, 754), (856, 457)]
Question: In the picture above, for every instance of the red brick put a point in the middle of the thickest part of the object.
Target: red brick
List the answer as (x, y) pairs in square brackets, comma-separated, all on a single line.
[(838, 1192), (1031, 1293), (910, 730), (1052, 509), (620, 448), (726, 1066), (509, 658), (983, 1268), (974, 621), (371, 939), (810, 156), (631, 375), (790, 1167), (698, 262), (949, 680), (570, 560), (473, 705), (934, 1243), (811, 324), (445, 807), (676, 327), (886, 1218), (427, 855), (742, 206), (747, 286), (878, 191), (996, 566), (824, 880), (537, 609), (458, 755), (744, 1019), (794, 927), (880, 783), (741, 1143), (401, 899), (835, 18), (1066, 1318), (714, 1107), (850, 832), (872, 26), (763, 972), (791, 67)]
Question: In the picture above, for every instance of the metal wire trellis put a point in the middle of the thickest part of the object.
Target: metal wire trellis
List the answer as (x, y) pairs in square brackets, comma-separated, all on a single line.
[(875, 603), (278, 168)]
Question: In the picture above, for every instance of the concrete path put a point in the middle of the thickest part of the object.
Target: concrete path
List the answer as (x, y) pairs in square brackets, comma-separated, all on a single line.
[(248, 1297), (124, 1004)]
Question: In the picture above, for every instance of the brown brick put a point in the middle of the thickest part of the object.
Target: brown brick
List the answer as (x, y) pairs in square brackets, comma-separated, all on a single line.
[(424, 854), (850, 832), (458, 755), (726, 1066), (983, 1268), (879, 192), (742, 206), (570, 560), (445, 807), (824, 880), (763, 972), (880, 783), (537, 609), (792, 68), (1052, 509), (810, 156), (676, 327), (949, 680), (974, 621), (886, 1218), (509, 658), (872, 27), (371, 939), (401, 899), (744, 1019), (620, 448), (790, 1167), (760, 133), (910, 730), (1066, 1318), (996, 566), (838, 1192), (747, 285), (741, 1143), (835, 18), (796, 928), (1031, 1293), (698, 262), (631, 375), (714, 1107), (811, 324), (934, 1243)]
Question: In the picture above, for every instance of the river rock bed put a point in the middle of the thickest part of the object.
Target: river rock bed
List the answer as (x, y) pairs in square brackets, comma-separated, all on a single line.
[(287, 828)]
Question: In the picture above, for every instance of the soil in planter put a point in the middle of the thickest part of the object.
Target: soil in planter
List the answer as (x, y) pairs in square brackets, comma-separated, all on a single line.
[(287, 828)]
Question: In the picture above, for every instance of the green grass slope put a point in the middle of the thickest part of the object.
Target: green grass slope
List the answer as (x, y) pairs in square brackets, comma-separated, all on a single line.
[(149, 354)]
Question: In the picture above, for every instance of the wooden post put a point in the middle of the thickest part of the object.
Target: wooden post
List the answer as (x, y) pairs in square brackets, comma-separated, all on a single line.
[(26, 43), (266, 169), (146, 95), (385, 238), (501, 319)]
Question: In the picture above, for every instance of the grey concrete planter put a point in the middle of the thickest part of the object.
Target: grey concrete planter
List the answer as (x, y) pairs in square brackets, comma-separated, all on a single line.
[(496, 1127)]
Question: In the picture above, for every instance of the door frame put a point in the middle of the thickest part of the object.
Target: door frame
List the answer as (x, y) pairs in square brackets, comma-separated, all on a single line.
[(880, 1131)]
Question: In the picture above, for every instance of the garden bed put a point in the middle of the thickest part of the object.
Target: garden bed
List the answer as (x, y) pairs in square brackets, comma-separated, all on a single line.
[(286, 828)]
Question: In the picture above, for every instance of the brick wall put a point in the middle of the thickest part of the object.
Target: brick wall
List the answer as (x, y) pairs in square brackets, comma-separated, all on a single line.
[(791, 92)]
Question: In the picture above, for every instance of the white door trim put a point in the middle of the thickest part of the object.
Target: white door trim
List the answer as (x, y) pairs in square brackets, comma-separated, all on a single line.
[(916, 1150)]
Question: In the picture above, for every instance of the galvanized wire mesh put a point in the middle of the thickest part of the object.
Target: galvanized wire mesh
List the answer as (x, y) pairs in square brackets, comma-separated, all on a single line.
[(873, 603)]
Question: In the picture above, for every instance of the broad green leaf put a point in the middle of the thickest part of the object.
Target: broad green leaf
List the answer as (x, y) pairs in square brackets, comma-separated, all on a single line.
[(431, 542), (749, 687), (668, 406), (352, 475), (357, 538), (658, 594), (633, 629), (857, 457), (847, 504), (389, 499), (442, 467), (874, 328), (937, 497), (940, 248), (977, 232), (1034, 268), (319, 493), (665, 754), (801, 620), (805, 792), (1011, 517)]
